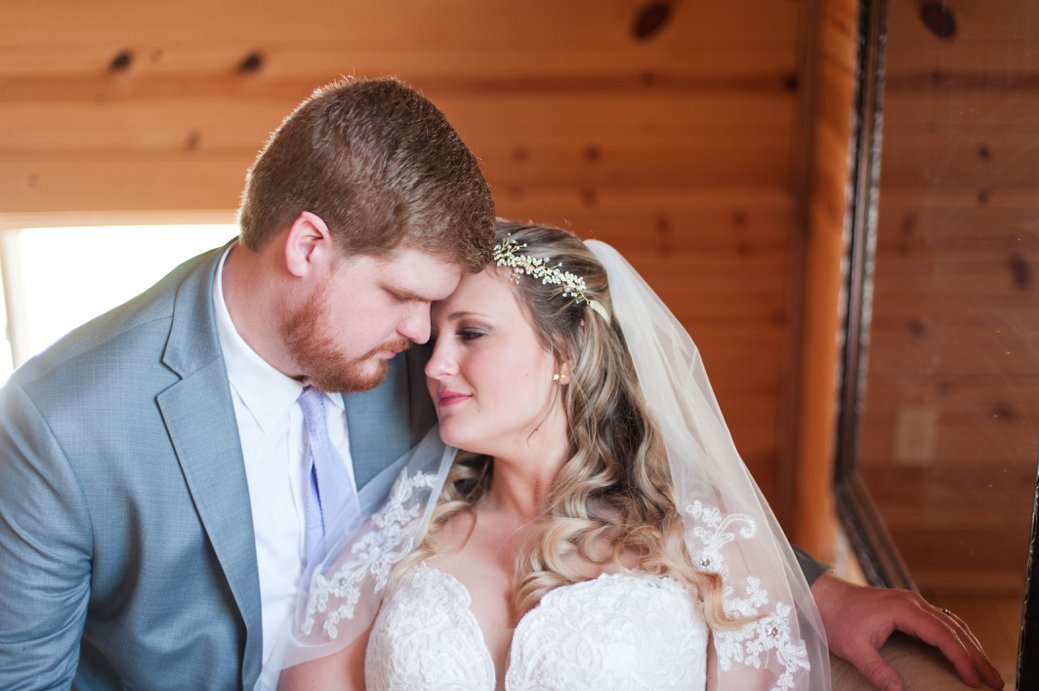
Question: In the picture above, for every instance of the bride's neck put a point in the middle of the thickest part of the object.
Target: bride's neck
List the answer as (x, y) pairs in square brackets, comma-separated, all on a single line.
[(522, 498), (520, 485)]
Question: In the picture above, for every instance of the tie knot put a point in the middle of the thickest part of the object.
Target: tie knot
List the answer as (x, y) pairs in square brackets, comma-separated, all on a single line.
[(312, 401)]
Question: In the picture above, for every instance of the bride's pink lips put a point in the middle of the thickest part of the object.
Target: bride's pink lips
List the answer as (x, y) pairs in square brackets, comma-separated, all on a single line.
[(450, 398)]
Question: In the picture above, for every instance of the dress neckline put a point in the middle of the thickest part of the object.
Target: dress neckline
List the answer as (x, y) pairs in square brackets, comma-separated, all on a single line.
[(592, 634), (460, 589)]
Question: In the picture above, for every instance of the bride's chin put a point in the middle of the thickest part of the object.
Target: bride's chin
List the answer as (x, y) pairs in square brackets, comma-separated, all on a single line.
[(452, 436), (448, 435)]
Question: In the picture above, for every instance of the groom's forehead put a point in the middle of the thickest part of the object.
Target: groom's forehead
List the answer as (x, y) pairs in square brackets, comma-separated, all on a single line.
[(411, 274)]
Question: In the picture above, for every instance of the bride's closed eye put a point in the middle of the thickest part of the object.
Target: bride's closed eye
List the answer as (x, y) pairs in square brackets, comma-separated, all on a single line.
[(468, 334)]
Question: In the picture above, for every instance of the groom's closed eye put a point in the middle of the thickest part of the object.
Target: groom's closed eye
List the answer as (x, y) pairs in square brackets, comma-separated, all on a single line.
[(403, 298), (404, 295)]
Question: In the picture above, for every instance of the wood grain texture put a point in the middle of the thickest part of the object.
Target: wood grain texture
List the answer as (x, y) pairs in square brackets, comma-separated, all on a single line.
[(683, 144), (951, 421)]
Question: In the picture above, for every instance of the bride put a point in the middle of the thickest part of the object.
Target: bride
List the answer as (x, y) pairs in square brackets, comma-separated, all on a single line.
[(583, 520)]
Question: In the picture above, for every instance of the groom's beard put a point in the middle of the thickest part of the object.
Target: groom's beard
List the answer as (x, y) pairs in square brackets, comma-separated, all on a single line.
[(322, 362)]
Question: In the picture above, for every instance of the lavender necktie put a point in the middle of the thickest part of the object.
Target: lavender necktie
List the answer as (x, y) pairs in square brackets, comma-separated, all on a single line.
[(329, 490)]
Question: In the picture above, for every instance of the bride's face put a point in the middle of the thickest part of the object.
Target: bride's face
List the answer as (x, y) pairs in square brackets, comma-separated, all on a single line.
[(489, 376)]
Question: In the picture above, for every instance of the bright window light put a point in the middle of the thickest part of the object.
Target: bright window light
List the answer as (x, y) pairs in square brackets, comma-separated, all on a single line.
[(59, 278)]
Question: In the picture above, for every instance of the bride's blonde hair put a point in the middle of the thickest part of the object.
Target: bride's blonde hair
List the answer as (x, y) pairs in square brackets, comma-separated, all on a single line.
[(616, 483)]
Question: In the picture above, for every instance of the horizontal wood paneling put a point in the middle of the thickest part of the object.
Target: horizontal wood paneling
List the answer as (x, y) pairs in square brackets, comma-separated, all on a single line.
[(398, 23), (999, 23), (677, 145), (951, 424)]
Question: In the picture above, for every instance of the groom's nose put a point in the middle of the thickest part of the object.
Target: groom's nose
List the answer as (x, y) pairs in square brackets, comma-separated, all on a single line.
[(415, 324)]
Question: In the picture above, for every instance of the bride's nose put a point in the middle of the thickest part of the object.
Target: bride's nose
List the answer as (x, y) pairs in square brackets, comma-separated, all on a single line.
[(441, 364)]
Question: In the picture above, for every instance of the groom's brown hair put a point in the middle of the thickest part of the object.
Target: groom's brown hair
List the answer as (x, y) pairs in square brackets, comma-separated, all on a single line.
[(382, 166)]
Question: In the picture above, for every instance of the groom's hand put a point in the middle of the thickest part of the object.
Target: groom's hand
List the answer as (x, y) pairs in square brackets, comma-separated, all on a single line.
[(859, 619)]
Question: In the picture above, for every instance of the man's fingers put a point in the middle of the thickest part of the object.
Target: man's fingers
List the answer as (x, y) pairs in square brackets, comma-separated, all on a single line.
[(858, 620), (875, 669), (943, 632), (991, 676), (964, 630), (982, 665)]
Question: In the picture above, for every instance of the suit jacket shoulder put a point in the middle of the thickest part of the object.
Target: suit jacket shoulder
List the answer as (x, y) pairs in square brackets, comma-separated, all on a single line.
[(119, 450)]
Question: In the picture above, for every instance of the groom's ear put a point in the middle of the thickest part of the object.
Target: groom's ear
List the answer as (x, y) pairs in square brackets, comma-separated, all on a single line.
[(309, 246)]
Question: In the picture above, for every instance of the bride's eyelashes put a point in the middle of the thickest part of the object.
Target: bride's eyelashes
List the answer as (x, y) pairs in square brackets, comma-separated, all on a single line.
[(463, 333)]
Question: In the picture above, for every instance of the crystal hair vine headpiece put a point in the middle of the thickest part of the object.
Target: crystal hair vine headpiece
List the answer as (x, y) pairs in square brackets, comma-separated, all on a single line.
[(507, 254)]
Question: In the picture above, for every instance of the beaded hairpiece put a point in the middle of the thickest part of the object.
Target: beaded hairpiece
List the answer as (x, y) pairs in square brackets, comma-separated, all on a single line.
[(507, 253)]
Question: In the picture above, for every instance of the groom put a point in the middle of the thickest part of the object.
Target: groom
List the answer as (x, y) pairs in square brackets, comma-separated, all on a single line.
[(151, 463), (153, 505)]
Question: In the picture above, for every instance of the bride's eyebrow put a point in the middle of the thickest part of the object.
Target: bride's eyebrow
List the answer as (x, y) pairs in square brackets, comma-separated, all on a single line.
[(454, 316)]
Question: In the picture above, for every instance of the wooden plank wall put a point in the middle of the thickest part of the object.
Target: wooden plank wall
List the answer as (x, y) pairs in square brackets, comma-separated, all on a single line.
[(951, 429), (671, 129)]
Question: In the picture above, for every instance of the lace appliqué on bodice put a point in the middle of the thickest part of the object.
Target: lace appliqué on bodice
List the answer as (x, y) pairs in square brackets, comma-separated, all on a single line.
[(753, 643), (426, 637), (388, 537), (618, 631)]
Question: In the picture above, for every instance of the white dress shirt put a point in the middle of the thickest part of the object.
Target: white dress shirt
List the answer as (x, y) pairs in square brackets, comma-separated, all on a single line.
[(270, 426)]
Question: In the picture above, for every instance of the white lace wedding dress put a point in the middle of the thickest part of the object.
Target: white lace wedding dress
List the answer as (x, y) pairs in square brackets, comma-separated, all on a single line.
[(618, 631)]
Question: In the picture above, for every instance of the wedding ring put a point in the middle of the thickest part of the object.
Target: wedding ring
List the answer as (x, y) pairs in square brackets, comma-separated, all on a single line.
[(946, 612)]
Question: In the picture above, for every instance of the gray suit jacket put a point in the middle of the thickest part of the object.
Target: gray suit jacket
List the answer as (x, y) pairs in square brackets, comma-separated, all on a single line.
[(127, 556)]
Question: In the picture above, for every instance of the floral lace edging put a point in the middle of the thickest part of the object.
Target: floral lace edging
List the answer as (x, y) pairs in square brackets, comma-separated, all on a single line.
[(770, 632), (389, 536)]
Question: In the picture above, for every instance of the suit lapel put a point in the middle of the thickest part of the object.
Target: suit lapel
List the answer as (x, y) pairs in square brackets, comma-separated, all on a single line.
[(376, 422), (199, 417)]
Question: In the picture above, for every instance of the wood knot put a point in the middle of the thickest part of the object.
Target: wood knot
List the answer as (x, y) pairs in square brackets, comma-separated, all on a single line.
[(1004, 412), (918, 327), (1020, 271), (650, 20), (121, 62), (938, 17), (909, 222), (662, 227), (251, 63)]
